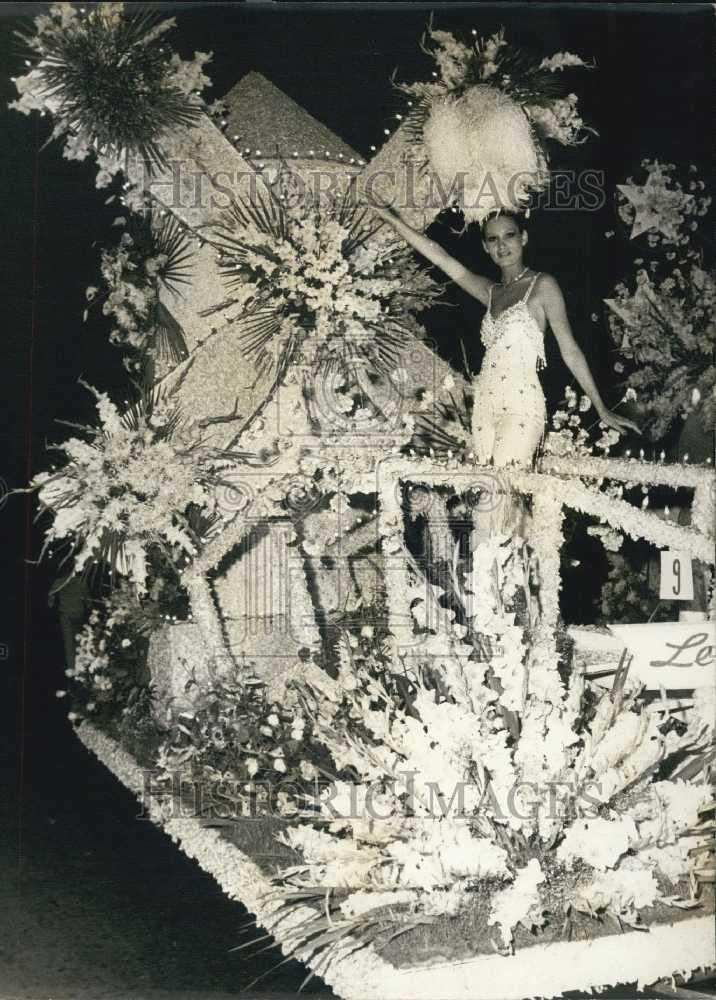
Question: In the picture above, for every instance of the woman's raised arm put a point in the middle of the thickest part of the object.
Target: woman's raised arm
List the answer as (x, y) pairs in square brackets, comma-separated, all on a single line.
[(473, 284)]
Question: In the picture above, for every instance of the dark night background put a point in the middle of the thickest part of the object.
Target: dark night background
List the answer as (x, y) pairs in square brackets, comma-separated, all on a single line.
[(95, 899)]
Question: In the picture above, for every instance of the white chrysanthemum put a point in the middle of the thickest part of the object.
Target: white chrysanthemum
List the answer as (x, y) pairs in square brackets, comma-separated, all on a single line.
[(483, 144)]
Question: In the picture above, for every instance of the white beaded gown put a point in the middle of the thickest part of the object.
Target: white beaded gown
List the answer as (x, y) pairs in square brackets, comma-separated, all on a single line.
[(509, 412)]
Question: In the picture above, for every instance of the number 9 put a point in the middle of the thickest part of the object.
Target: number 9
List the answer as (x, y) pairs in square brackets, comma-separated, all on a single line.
[(676, 570)]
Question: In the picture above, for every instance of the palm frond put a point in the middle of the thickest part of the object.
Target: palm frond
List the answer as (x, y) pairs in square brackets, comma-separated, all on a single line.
[(255, 329), (140, 409), (170, 240), (415, 114), (169, 343), (446, 429)]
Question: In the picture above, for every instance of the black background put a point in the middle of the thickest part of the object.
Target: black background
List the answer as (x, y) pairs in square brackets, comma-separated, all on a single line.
[(651, 95)]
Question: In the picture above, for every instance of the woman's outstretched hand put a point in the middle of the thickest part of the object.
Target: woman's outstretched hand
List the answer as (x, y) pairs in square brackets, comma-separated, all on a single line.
[(618, 422)]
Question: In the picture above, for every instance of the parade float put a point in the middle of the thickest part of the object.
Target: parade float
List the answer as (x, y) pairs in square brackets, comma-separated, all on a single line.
[(369, 724)]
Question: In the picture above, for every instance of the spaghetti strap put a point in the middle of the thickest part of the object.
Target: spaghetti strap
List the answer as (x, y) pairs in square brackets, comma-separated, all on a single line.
[(530, 287)]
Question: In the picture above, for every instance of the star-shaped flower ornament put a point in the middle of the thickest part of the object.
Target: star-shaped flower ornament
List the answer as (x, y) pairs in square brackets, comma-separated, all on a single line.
[(633, 310), (656, 206)]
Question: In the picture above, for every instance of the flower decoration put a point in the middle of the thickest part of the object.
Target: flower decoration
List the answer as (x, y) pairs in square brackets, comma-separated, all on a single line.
[(661, 206), (662, 317), (152, 255), (451, 708), (488, 117), (314, 278), (235, 731), (143, 478), (109, 80)]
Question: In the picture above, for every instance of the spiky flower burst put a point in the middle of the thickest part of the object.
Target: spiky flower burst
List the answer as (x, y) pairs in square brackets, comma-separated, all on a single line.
[(142, 478), (108, 79), (528, 80), (153, 253), (320, 270)]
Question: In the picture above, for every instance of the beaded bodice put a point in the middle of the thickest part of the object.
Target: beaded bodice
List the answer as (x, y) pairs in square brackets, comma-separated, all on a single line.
[(514, 336), (514, 343)]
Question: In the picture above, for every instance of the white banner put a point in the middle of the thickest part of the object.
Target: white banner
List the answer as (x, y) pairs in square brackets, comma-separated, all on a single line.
[(673, 655)]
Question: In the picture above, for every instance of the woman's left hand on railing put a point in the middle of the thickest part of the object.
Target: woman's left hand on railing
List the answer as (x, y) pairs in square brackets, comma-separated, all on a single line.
[(619, 423)]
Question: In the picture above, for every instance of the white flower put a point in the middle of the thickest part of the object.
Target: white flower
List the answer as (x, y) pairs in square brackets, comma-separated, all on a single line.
[(561, 60), (512, 905), (599, 842), (252, 766), (620, 890), (279, 764), (273, 720), (307, 770), (125, 643)]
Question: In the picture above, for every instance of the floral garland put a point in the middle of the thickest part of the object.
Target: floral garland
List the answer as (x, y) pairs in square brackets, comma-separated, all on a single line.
[(632, 521), (616, 512), (84, 69), (488, 116), (632, 470), (662, 318)]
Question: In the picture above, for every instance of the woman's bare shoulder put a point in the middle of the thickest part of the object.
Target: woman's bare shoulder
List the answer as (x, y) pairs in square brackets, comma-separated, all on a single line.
[(547, 285)]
